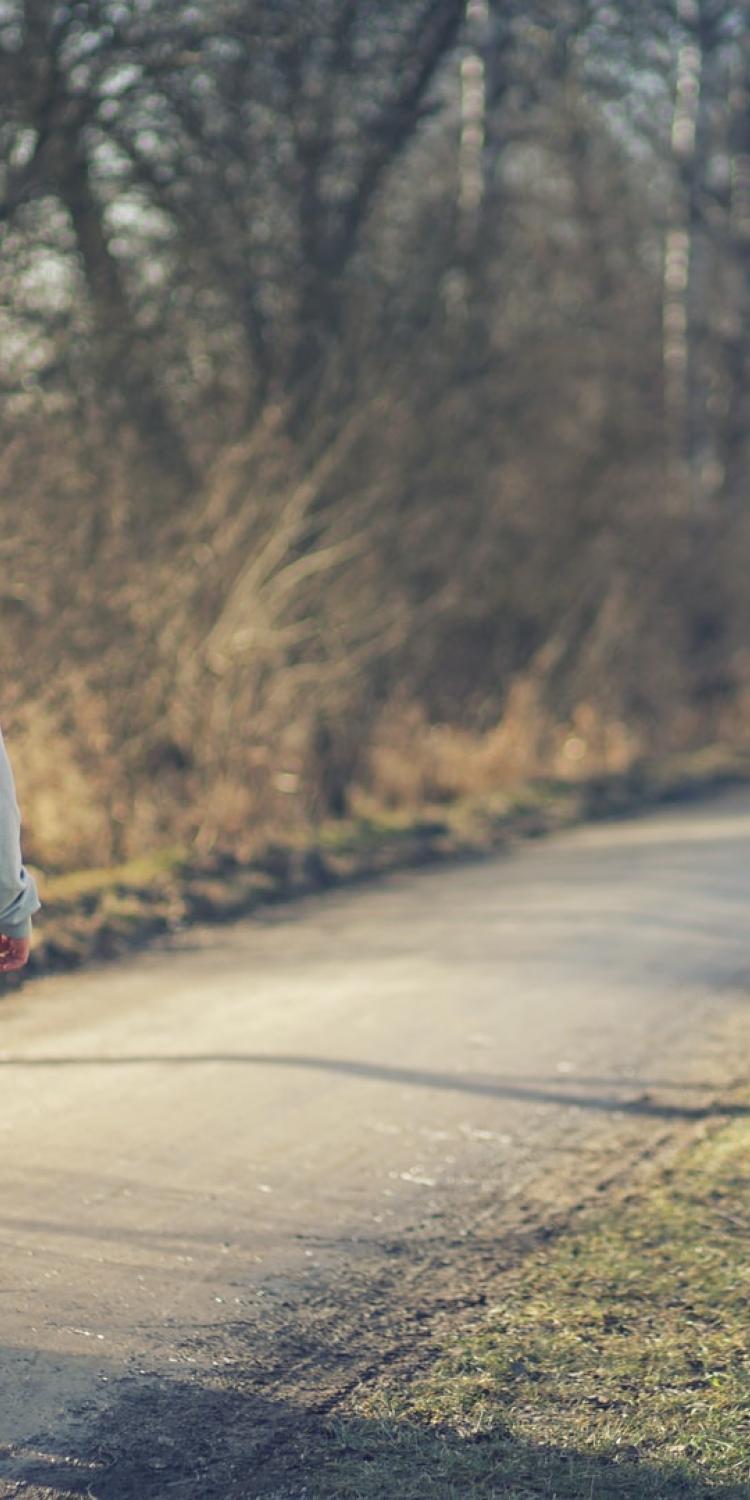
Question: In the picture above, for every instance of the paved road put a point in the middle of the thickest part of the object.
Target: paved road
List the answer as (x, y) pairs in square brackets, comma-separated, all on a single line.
[(200, 1133)]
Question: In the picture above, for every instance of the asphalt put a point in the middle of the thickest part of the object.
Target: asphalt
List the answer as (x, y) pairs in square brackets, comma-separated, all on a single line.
[(246, 1117)]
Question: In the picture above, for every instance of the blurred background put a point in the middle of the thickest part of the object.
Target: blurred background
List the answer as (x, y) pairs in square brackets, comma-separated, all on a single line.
[(375, 418)]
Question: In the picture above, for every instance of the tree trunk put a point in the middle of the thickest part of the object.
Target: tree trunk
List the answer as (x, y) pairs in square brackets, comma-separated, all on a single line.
[(129, 391)]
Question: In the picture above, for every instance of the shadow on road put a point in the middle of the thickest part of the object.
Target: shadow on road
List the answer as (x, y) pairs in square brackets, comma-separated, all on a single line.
[(574, 1092), (151, 1438)]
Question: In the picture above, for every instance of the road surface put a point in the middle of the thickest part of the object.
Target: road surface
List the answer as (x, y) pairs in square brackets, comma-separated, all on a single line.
[(245, 1168)]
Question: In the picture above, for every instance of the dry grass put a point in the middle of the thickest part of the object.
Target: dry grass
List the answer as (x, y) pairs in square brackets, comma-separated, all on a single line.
[(105, 909)]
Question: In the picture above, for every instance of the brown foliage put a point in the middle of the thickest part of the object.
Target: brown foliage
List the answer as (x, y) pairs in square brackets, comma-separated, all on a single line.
[(318, 488)]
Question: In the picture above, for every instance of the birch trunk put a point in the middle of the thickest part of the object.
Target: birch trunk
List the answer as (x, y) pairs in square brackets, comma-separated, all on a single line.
[(681, 261)]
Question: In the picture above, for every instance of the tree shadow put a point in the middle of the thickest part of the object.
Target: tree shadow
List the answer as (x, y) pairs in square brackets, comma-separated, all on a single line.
[(154, 1438), (573, 1092)]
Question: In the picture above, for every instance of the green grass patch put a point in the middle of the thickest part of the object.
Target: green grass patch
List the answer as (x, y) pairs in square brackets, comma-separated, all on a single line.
[(614, 1363), (364, 832), (149, 869)]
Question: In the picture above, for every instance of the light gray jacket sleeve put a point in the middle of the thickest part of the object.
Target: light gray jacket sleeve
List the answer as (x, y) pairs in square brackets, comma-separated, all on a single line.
[(18, 893)]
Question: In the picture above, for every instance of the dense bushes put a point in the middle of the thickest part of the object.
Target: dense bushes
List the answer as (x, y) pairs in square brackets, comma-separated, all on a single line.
[(340, 459)]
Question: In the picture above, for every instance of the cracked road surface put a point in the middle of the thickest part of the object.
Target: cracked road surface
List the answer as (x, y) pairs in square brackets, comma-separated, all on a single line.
[(244, 1169)]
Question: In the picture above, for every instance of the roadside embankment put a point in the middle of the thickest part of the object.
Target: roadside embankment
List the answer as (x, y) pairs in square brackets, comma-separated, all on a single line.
[(98, 914)]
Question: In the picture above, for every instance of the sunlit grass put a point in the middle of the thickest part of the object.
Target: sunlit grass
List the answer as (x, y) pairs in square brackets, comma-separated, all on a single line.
[(614, 1363), (149, 869)]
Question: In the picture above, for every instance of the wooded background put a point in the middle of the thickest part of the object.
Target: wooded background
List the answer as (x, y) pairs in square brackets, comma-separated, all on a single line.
[(375, 422)]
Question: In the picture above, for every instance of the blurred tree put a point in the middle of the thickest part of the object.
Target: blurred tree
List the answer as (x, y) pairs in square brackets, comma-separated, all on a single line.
[(361, 356)]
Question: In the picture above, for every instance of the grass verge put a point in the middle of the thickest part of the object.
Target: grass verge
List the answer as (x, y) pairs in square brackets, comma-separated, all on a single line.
[(94, 914), (614, 1363)]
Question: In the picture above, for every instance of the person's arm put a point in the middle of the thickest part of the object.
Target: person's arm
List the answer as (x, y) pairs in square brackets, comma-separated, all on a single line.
[(18, 893)]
